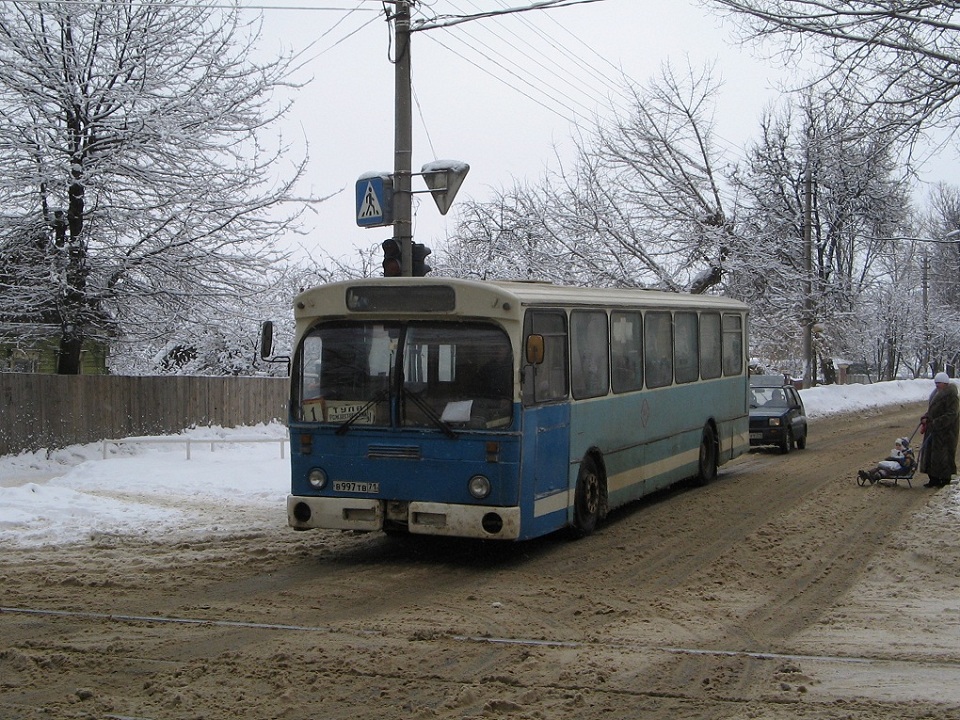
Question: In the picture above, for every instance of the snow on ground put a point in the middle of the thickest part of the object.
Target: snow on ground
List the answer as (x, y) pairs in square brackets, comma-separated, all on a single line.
[(75, 495), (833, 399), (149, 489)]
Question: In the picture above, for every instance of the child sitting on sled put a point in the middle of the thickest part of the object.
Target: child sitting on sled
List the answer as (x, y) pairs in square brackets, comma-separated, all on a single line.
[(900, 461)]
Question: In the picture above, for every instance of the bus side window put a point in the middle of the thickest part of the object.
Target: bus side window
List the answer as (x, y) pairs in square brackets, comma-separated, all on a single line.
[(710, 346), (626, 351), (658, 348), (589, 367), (686, 350), (548, 380)]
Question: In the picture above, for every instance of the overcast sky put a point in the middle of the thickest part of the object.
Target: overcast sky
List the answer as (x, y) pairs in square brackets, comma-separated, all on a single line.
[(498, 93)]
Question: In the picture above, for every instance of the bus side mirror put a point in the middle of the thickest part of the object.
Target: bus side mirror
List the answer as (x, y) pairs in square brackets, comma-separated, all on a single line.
[(266, 339), (535, 349)]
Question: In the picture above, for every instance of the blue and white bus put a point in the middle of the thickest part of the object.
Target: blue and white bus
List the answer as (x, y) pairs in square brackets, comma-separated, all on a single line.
[(505, 410)]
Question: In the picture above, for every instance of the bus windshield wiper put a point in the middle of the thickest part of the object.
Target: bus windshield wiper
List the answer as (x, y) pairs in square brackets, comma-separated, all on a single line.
[(379, 397), (430, 413)]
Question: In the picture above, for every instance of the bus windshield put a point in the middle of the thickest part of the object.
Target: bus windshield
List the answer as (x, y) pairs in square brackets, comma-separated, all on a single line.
[(429, 374)]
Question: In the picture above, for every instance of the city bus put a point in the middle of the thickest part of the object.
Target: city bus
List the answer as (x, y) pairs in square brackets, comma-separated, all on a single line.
[(505, 410)]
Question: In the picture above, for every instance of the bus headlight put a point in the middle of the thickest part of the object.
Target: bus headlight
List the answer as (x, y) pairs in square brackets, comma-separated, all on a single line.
[(317, 478), (479, 487)]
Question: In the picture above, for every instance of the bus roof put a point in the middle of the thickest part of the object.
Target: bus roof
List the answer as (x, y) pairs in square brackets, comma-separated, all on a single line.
[(536, 293), (522, 293)]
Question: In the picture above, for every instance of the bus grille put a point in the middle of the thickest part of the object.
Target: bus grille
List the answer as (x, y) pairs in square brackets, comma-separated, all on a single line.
[(393, 452)]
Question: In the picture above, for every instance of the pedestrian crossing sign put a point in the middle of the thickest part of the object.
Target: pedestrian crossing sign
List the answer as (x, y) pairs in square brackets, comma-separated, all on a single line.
[(374, 200)]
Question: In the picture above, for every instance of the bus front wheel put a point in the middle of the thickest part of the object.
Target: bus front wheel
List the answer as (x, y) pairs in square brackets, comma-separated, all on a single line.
[(588, 498)]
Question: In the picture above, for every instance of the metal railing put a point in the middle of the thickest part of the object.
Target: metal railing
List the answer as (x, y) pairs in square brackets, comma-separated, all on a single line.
[(188, 442)]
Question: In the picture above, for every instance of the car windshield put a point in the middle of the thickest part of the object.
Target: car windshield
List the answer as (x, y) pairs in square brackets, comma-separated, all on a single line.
[(416, 374), (772, 397)]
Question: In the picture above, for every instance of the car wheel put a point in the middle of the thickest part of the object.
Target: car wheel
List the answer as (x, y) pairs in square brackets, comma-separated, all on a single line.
[(802, 442), (787, 444)]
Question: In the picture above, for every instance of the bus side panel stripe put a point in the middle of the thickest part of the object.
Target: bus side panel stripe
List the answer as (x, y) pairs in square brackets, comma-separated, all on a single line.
[(552, 503), (669, 468)]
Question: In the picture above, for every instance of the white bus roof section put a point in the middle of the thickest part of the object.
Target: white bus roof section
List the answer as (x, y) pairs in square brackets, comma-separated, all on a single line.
[(531, 293), (505, 298)]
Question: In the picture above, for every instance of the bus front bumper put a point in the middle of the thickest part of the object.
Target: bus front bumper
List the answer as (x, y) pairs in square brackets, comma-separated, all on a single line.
[(424, 518)]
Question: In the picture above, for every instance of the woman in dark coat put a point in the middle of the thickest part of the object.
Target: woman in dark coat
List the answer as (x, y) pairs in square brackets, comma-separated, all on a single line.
[(941, 427)]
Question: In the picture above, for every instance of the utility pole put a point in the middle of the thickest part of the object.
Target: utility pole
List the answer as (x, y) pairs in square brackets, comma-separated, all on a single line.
[(925, 275), (403, 141), (386, 199), (809, 370)]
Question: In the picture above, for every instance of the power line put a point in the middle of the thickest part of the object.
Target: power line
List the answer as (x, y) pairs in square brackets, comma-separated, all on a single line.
[(538, 82), (605, 79), (592, 70), (448, 20), (567, 95), (193, 5), (525, 93), (584, 83)]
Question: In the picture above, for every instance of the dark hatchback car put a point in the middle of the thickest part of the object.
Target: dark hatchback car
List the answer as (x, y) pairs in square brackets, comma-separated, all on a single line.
[(777, 416)]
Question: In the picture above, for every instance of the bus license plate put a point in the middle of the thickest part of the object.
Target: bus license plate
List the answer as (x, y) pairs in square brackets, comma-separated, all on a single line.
[(355, 487)]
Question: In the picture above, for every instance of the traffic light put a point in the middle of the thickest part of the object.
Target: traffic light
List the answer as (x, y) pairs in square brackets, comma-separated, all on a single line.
[(392, 266), (419, 253)]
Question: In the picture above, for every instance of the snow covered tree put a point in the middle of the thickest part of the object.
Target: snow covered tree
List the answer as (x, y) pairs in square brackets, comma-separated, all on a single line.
[(643, 204), (902, 56), (194, 342), (859, 206), (660, 179), (135, 180), (521, 234), (940, 255)]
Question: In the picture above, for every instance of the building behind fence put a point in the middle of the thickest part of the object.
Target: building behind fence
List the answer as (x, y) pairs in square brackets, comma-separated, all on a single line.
[(42, 411)]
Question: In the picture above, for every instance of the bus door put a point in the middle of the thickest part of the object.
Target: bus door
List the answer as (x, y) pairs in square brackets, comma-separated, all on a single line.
[(545, 483)]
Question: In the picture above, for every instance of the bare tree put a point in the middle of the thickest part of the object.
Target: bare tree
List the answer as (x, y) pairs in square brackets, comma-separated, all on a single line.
[(901, 55), (642, 205), (135, 175), (661, 166)]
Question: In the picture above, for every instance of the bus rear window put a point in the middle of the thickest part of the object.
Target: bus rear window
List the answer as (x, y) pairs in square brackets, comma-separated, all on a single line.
[(401, 299)]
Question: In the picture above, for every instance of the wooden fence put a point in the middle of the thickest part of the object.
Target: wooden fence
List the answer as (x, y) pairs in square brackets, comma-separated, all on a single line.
[(40, 411)]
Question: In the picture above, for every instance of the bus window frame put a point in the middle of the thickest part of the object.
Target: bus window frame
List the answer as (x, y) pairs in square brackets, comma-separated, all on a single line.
[(554, 339), (589, 354), (687, 371), (735, 334), (653, 320), (710, 321), (631, 361)]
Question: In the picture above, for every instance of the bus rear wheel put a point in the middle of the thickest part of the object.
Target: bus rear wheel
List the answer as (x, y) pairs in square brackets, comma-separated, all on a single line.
[(707, 464), (588, 498)]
